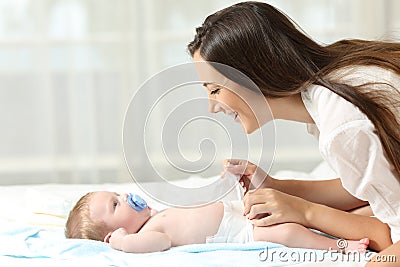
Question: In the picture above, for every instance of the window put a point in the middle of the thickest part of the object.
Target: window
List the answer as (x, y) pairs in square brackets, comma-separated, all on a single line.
[(68, 69)]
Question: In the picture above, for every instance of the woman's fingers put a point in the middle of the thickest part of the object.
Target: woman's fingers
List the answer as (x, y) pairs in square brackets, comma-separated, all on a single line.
[(244, 169), (253, 197), (258, 209), (278, 207), (238, 166), (251, 176), (245, 183), (263, 215), (233, 161), (265, 221)]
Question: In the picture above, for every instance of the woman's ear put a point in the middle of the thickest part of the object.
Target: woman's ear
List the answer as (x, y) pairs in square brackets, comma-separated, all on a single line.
[(107, 237)]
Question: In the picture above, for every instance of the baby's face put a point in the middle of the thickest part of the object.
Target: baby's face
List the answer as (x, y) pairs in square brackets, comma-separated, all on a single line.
[(114, 210)]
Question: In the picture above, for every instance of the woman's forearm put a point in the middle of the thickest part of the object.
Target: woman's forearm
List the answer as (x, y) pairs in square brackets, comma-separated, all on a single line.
[(282, 207), (348, 226), (388, 257), (327, 192)]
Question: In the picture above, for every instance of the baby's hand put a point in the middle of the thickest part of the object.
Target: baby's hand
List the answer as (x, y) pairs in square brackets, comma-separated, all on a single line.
[(115, 239)]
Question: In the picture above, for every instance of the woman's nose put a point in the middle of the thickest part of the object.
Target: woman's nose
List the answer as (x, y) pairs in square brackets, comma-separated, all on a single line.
[(214, 106)]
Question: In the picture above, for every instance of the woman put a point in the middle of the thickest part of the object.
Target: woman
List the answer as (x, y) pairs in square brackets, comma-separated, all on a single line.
[(348, 94)]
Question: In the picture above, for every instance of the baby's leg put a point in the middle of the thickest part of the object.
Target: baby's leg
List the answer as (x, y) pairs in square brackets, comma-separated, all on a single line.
[(296, 235)]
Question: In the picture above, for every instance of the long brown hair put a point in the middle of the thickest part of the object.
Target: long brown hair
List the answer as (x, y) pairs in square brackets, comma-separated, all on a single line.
[(263, 43)]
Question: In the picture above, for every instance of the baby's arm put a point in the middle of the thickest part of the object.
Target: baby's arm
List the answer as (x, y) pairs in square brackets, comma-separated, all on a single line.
[(150, 241)]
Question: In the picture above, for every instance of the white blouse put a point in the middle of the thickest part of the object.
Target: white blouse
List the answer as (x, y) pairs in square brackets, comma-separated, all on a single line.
[(347, 141)]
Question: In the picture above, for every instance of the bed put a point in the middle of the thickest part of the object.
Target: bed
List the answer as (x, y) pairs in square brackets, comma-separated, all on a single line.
[(32, 234)]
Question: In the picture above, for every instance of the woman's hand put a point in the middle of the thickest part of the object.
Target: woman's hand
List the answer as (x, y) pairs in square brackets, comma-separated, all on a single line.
[(251, 176), (267, 206)]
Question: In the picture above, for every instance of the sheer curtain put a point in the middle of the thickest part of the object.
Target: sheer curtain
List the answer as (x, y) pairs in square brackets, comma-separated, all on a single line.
[(68, 69)]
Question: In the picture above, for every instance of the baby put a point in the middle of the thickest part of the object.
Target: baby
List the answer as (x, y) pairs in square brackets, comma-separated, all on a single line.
[(129, 224)]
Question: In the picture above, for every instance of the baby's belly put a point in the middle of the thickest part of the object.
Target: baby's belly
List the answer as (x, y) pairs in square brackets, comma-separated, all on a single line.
[(192, 226)]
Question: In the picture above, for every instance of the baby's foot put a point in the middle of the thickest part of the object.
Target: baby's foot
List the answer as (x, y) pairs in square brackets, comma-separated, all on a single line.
[(357, 246)]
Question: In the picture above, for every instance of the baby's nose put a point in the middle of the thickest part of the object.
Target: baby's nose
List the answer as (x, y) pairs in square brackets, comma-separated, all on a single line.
[(123, 197)]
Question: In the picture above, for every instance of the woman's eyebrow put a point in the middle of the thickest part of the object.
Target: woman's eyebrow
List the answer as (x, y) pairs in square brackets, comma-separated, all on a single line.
[(205, 84)]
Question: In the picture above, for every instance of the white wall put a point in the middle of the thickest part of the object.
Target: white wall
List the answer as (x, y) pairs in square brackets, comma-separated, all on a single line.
[(68, 69)]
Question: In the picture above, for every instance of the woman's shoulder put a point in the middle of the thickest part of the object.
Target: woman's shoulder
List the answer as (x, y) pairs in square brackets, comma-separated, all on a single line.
[(329, 111), (324, 103)]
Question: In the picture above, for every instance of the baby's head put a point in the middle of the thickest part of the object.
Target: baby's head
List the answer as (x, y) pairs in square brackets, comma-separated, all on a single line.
[(81, 225), (98, 213)]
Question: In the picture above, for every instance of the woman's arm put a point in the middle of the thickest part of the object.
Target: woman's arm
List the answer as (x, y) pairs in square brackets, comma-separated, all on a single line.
[(366, 211), (388, 257), (327, 192), (145, 242), (349, 226), (268, 206)]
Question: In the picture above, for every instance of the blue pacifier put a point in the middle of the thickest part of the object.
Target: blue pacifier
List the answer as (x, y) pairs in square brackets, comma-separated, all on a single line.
[(136, 202)]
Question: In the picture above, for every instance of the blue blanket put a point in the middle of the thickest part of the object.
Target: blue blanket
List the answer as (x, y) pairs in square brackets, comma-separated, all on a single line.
[(21, 242)]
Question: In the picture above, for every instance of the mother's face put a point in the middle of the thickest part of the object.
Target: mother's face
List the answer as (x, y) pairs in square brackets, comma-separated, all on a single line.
[(245, 106)]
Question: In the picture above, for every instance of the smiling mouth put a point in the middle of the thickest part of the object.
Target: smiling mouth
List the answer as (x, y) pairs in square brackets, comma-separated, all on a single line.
[(235, 116)]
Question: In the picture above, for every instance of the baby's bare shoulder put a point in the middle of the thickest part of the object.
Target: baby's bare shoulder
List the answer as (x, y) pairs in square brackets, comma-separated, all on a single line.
[(163, 220)]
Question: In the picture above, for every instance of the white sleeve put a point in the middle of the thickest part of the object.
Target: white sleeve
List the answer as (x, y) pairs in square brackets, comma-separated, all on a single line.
[(356, 153)]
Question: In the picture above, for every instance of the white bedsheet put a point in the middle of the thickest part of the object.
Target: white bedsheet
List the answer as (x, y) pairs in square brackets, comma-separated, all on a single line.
[(32, 234)]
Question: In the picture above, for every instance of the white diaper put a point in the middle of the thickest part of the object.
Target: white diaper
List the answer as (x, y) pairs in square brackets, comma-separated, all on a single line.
[(234, 227)]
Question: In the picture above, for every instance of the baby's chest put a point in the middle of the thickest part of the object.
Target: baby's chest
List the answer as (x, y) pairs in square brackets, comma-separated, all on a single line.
[(168, 221)]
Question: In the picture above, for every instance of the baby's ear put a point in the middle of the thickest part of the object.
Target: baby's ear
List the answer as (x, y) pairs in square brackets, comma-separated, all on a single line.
[(107, 238)]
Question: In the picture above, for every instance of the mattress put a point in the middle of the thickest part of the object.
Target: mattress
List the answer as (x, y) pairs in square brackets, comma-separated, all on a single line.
[(32, 232)]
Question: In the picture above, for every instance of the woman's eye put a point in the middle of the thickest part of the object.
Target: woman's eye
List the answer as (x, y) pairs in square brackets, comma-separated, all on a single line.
[(215, 91)]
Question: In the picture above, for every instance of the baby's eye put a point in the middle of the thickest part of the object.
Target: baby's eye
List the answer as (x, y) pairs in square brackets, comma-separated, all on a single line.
[(115, 203), (214, 91)]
